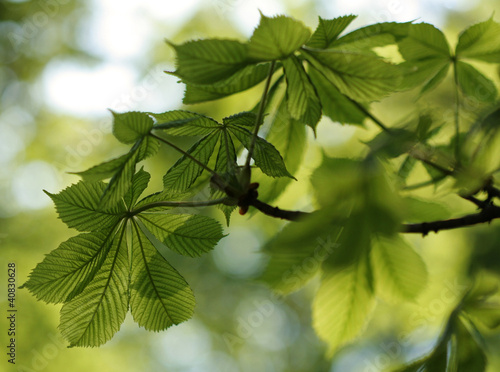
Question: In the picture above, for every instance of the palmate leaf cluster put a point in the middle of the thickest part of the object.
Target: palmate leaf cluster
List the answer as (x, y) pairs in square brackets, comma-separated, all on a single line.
[(119, 261)]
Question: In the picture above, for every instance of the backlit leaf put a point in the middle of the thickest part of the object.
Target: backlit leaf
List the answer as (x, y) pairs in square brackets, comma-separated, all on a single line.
[(159, 295), (209, 61), (359, 76), (131, 126), (185, 171), (78, 207), (67, 270), (277, 38), (343, 304), (480, 41), (96, 314), (189, 235), (328, 31), (303, 103), (474, 84), (399, 272), (266, 157)]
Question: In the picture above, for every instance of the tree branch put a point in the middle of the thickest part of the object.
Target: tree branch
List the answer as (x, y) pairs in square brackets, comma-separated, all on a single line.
[(489, 213)]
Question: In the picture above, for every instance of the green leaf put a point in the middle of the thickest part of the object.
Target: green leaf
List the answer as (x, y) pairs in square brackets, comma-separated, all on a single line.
[(159, 295), (185, 123), (343, 304), (481, 42), (328, 31), (245, 118), (225, 164), (185, 171), (189, 235), (297, 252), (474, 84), (209, 61), (78, 207), (139, 183), (67, 270), (416, 210), (121, 180), (243, 79), (277, 38), (424, 41), (96, 314), (427, 72), (376, 35), (303, 103), (104, 170), (359, 76), (149, 146), (290, 139), (392, 144), (131, 126), (399, 272), (266, 157), (335, 105)]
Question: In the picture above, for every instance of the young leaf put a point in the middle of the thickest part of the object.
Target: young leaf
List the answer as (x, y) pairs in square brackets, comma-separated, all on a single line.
[(149, 147), (328, 31), (277, 38), (376, 35), (67, 270), (474, 84), (185, 171), (78, 207), (480, 41), (189, 235), (428, 72), (399, 272), (424, 41), (243, 79), (225, 164), (303, 103), (209, 61), (185, 123), (96, 314), (289, 137), (245, 118), (104, 170), (159, 295), (359, 76), (298, 251), (266, 157), (131, 126), (335, 105), (139, 183), (343, 303), (121, 180)]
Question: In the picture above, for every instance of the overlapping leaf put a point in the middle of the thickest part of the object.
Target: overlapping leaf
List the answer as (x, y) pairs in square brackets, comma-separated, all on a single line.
[(96, 314), (328, 31), (359, 76), (78, 207), (209, 61), (303, 103), (481, 42), (399, 272), (277, 38), (159, 295), (189, 235)]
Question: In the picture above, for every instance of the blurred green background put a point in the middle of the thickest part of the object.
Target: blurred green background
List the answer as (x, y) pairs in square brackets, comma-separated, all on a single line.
[(64, 62)]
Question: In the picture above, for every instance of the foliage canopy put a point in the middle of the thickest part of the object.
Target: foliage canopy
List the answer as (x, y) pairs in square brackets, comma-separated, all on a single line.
[(119, 259)]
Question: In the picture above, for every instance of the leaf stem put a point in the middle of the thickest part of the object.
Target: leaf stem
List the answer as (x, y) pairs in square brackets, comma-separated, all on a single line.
[(185, 204), (260, 114)]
